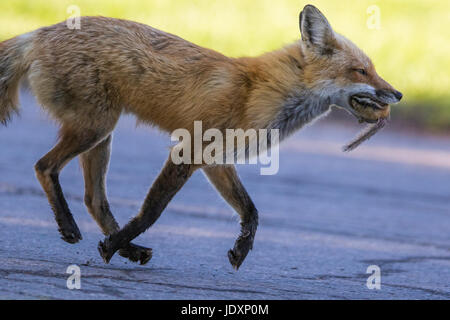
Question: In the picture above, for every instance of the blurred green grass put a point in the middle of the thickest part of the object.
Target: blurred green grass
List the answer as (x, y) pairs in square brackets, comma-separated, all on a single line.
[(411, 50)]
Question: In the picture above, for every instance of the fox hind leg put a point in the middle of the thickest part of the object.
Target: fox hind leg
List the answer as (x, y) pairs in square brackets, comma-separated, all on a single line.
[(227, 182), (73, 141), (95, 165)]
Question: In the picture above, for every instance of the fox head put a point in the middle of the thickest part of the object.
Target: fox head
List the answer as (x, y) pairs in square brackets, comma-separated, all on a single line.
[(338, 68)]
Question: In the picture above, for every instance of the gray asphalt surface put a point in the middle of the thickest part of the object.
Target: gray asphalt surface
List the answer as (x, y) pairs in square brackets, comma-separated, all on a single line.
[(324, 218)]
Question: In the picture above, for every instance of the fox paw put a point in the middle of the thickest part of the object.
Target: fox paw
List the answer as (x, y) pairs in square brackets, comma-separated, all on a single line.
[(136, 253), (70, 233), (105, 250), (241, 248)]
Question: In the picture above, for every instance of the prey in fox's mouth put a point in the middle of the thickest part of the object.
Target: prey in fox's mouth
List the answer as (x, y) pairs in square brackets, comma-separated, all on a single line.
[(368, 108), (371, 110)]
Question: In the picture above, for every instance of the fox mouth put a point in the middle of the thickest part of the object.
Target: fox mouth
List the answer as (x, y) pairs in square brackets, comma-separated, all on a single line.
[(367, 101), (360, 103)]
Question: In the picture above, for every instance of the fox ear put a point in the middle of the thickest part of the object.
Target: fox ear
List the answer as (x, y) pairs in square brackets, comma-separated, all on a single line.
[(316, 30)]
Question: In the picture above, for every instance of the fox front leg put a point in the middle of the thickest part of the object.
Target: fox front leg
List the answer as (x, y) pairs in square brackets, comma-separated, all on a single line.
[(170, 180), (228, 184), (244, 243)]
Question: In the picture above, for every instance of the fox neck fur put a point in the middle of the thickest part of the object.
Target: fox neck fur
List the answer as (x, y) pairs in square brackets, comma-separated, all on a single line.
[(275, 88)]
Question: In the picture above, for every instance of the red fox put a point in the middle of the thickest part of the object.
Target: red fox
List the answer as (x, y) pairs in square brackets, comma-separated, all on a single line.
[(86, 78)]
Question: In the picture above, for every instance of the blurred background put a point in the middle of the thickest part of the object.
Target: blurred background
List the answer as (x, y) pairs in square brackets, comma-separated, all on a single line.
[(324, 217), (408, 40)]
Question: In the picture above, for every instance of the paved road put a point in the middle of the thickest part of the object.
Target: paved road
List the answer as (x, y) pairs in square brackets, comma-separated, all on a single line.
[(324, 218)]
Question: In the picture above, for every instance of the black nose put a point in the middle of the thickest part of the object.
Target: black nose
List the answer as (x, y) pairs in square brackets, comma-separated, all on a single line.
[(398, 95)]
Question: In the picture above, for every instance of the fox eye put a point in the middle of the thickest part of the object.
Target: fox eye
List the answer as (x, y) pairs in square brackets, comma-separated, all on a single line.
[(361, 71)]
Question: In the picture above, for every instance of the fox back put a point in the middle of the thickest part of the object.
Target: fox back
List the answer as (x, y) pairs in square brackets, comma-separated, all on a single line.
[(122, 65)]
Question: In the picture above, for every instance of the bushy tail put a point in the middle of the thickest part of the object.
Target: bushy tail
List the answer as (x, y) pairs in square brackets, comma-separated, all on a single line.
[(13, 66)]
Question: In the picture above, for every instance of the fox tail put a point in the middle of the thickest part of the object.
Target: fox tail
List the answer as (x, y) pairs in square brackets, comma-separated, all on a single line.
[(13, 66)]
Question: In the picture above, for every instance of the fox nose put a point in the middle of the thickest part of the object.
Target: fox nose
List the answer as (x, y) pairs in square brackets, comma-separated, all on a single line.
[(398, 95), (387, 94)]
